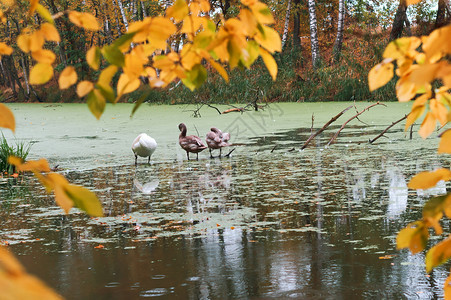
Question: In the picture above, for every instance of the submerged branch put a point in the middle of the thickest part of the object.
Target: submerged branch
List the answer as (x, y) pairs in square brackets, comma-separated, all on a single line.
[(343, 126), (386, 129), (325, 126)]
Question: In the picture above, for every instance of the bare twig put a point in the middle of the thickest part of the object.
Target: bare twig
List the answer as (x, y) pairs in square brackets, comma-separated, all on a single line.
[(411, 131), (274, 148), (386, 129), (313, 119), (343, 126), (214, 107), (228, 154), (325, 126)]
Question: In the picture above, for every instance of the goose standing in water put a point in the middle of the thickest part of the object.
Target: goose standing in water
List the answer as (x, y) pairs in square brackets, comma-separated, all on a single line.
[(190, 143), (143, 146), (216, 139)]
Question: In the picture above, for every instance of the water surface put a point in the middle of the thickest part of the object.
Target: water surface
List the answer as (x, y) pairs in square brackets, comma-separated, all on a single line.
[(270, 221)]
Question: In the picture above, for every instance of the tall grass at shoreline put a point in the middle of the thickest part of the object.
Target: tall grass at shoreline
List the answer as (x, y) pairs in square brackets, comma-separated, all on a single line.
[(21, 150)]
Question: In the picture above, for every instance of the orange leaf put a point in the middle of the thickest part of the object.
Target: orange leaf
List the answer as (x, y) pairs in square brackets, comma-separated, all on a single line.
[(84, 20), (7, 118), (93, 57), (439, 254), (67, 78), (5, 49), (425, 180), (414, 237), (84, 87), (50, 33), (428, 125), (445, 142), (44, 56)]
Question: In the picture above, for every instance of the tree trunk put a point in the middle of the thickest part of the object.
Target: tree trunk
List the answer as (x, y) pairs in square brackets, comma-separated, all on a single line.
[(442, 18), (313, 33), (143, 8), (339, 39), (118, 24), (398, 22), (297, 25), (287, 22), (124, 18)]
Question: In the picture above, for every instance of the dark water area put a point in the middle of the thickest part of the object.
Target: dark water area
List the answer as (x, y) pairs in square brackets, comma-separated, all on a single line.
[(268, 222)]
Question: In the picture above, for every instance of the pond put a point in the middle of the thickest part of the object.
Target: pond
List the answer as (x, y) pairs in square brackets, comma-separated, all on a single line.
[(269, 221)]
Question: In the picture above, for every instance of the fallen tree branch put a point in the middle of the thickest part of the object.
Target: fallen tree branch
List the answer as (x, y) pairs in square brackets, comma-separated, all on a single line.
[(343, 126), (386, 129), (325, 126)]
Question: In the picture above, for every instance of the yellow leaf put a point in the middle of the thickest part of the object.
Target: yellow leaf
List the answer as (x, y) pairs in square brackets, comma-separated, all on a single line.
[(445, 142), (414, 237), (398, 49), (439, 111), (178, 11), (106, 75), (405, 89), (426, 180), (380, 74), (50, 33), (84, 199), (44, 13), (93, 57), (5, 49), (40, 165), (15, 283), (7, 118), (44, 56), (126, 85), (428, 125), (67, 78), (84, 20), (150, 72), (269, 39), (411, 2), (159, 31), (41, 73), (192, 23), (133, 66), (30, 42), (84, 88), (249, 22), (437, 43), (424, 74), (220, 69), (418, 109), (96, 103), (439, 254), (262, 13), (61, 198), (270, 63)]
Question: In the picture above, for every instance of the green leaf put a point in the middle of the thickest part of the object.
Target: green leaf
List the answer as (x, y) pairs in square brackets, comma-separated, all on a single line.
[(96, 103), (107, 92), (126, 38), (195, 77), (113, 55), (414, 237), (439, 254), (139, 102), (45, 13), (84, 199)]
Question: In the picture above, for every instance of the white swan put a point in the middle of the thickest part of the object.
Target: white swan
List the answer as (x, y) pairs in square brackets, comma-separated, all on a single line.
[(143, 146)]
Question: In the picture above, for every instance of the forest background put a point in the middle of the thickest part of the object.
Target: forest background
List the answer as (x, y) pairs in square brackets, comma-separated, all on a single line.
[(328, 49)]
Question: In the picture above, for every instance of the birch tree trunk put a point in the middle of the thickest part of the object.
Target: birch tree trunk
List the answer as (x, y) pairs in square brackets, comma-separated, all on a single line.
[(313, 33), (143, 8), (442, 18), (25, 75), (398, 22), (124, 18), (296, 25), (339, 39), (287, 23)]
